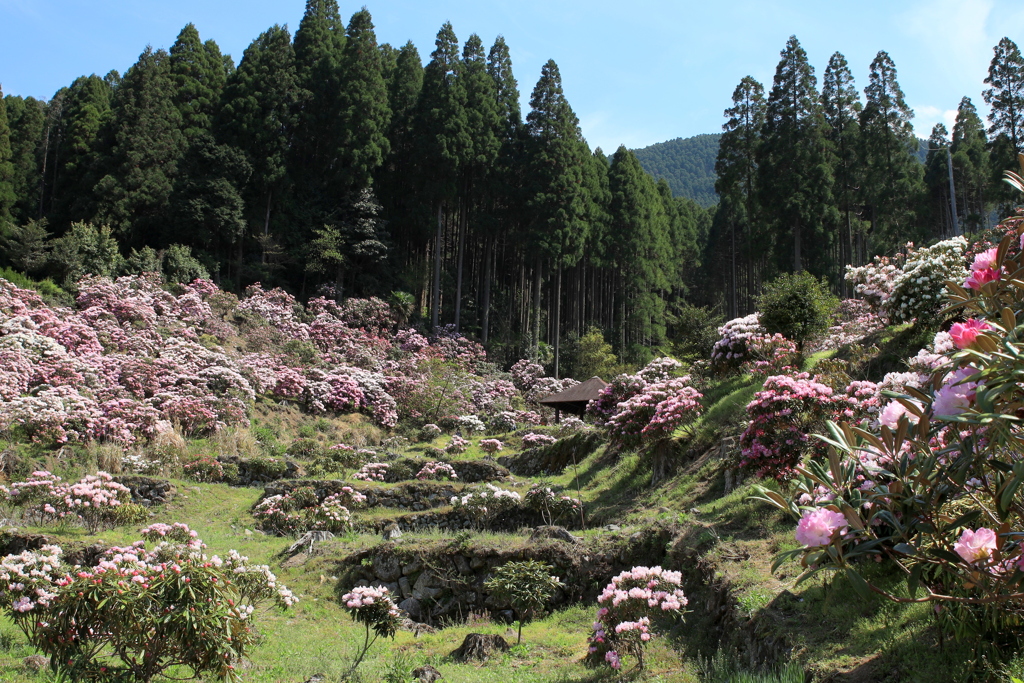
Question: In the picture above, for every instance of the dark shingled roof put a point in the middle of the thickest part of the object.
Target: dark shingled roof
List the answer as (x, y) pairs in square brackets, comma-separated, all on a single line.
[(582, 392)]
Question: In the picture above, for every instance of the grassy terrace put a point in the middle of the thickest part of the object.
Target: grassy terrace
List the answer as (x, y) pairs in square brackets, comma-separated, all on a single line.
[(724, 543)]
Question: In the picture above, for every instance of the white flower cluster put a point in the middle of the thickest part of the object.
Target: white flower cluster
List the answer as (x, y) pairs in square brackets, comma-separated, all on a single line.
[(919, 290), (731, 348)]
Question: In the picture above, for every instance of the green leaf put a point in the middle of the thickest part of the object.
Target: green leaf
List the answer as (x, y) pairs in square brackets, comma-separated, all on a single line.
[(858, 582)]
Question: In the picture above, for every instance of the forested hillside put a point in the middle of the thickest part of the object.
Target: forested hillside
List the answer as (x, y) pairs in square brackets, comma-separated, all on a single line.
[(328, 164), (688, 164)]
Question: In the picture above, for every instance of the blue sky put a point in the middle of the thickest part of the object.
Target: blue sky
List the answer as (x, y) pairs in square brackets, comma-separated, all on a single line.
[(635, 72)]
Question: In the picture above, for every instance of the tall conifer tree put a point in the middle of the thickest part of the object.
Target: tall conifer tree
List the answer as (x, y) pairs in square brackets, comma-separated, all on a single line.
[(970, 165), (841, 107), (557, 155), (199, 73), (892, 175), (27, 120), (7, 196), (147, 144), (319, 44), (444, 139), (259, 117), (795, 174), (363, 105), (736, 171)]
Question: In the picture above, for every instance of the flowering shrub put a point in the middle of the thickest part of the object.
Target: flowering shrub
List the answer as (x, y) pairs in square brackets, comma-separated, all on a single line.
[(770, 355), (936, 486), (472, 423), (502, 422), (782, 415), (429, 432), (919, 289), (534, 440), (301, 510), (491, 446), (138, 612), (96, 500), (372, 607), (552, 506), (493, 501), (457, 445), (655, 412), (373, 471), (204, 470), (730, 350), (627, 606), (437, 470), (875, 281)]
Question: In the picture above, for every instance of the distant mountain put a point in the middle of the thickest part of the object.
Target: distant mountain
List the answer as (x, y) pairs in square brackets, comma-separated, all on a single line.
[(688, 164)]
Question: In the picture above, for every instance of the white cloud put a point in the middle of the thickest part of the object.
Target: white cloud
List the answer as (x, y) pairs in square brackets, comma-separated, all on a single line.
[(926, 116)]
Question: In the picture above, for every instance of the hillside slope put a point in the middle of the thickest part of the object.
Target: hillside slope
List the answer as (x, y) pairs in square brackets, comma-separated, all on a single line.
[(688, 164)]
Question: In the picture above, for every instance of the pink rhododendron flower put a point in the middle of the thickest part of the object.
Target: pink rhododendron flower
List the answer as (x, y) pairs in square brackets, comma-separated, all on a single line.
[(975, 546), (985, 260), (891, 414), (817, 526), (964, 334), (979, 278)]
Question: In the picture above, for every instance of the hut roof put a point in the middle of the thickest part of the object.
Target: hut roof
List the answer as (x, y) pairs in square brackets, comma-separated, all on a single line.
[(582, 392)]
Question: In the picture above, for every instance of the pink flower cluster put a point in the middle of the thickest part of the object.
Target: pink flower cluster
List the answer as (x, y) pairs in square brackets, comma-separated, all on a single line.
[(534, 440), (457, 445), (437, 470), (372, 471), (627, 605), (730, 350), (984, 269), (94, 499), (976, 546), (966, 333), (782, 415), (491, 446), (300, 510), (655, 412), (817, 526)]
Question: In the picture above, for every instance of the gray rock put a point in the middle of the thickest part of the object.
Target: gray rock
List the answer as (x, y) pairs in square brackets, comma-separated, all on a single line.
[(387, 567), (412, 607), (477, 562), (555, 532), (462, 565), (612, 527), (412, 567), (404, 587), (35, 662), (427, 674)]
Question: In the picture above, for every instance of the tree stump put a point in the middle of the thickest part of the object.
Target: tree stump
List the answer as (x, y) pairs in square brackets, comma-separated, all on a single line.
[(479, 646)]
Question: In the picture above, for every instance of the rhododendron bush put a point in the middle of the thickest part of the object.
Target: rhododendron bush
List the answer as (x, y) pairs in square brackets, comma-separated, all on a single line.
[(134, 358), (139, 612), (97, 501), (629, 609), (782, 415), (936, 485), (302, 510)]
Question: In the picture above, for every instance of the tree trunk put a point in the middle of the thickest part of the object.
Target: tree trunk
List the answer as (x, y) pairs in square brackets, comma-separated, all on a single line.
[(463, 220), (535, 341), (488, 275), (558, 313), (435, 295)]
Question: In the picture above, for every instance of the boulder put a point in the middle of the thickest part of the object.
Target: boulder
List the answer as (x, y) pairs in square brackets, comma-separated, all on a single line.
[(387, 566), (412, 607)]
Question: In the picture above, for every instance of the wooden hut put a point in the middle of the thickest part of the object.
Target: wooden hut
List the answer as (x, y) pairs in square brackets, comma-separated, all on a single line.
[(575, 399)]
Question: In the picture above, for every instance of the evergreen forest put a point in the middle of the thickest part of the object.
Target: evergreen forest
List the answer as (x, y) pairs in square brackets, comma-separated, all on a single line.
[(326, 163)]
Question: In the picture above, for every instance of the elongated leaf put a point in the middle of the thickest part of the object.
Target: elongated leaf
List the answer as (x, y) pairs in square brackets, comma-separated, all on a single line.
[(858, 582)]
